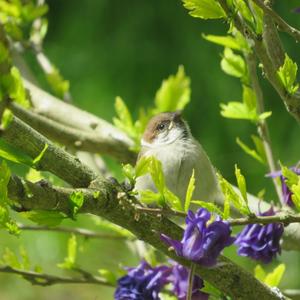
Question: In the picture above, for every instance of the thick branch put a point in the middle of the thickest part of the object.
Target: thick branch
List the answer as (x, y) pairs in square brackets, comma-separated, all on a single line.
[(283, 25), (90, 141), (119, 144), (47, 279), (55, 159), (113, 205)]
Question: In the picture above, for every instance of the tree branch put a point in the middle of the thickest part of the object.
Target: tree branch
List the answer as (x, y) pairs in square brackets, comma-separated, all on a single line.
[(262, 125), (113, 204), (74, 138), (57, 110), (47, 279), (283, 25)]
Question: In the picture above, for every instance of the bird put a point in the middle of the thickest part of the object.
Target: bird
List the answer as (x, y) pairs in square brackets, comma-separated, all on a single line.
[(168, 138)]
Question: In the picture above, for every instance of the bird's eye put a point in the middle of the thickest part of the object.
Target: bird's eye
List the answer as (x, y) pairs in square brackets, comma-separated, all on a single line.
[(161, 126)]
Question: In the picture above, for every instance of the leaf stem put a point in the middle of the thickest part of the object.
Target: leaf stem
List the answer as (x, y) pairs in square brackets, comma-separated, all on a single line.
[(190, 282)]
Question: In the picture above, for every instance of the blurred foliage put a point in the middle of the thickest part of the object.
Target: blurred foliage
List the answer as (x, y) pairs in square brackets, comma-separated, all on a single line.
[(108, 48)]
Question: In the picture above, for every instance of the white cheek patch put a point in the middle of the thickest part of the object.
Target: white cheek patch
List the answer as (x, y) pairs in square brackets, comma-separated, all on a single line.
[(164, 138)]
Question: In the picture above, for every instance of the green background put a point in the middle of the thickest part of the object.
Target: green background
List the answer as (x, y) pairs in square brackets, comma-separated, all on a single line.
[(125, 48)]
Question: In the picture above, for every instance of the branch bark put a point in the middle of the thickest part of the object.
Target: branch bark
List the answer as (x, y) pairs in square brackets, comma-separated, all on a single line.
[(115, 206)]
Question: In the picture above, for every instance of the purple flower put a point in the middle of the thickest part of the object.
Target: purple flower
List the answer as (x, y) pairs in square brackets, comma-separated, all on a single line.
[(202, 243), (142, 282), (286, 192), (180, 277), (260, 242)]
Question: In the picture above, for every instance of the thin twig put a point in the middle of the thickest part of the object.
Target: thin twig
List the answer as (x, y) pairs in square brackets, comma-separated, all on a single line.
[(263, 129), (283, 25), (78, 231), (46, 279), (190, 281)]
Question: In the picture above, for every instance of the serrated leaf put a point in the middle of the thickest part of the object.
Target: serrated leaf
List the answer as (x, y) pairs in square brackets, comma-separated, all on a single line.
[(237, 110), (209, 206), (76, 201), (174, 93), (234, 65), (287, 75), (273, 279), (44, 217), (189, 192), (69, 261), (204, 9), (250, 151)]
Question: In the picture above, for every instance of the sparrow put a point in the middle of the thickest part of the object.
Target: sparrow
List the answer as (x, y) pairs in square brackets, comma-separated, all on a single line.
[(168, 138)]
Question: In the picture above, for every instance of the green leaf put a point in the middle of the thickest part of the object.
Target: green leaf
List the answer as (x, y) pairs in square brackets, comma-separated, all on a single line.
[(259, 273), (249, 98), (142, 166), (226, 41), (265, 115), (16, 88), (232, 197), (296, 194), (189, 192), (287, 74), (39, 157), (237, 110), (7, 117), (76, 201), (4, 180), (253, 153), (124, 120), (240, 179), (69, 261), (172, 200), (234, 65), (12, 153), (49, 218), (259, 146), (4, 53), (30, 12), (157, 175), (129, 172), (291, 178), (273, 279), (109, 276), (164, 296), (110, 227), (59, 85), (174, 93), (204, 9), (150, 197), (33, 175), (9, 258), (209, 206)]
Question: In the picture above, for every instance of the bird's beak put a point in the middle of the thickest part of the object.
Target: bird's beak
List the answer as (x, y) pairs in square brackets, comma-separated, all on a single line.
[(171, 125)]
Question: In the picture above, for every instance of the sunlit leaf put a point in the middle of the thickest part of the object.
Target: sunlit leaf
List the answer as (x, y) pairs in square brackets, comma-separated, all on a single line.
[(76, 201), (204, 9), (69, 261), (253, 153), (189, 192), (174, 93), (44, 217)]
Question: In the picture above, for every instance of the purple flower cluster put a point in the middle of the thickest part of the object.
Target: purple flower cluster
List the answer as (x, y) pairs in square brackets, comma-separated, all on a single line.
[(145, 283), (142, 282), (260, 242), (286, 192), (202, 243)]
